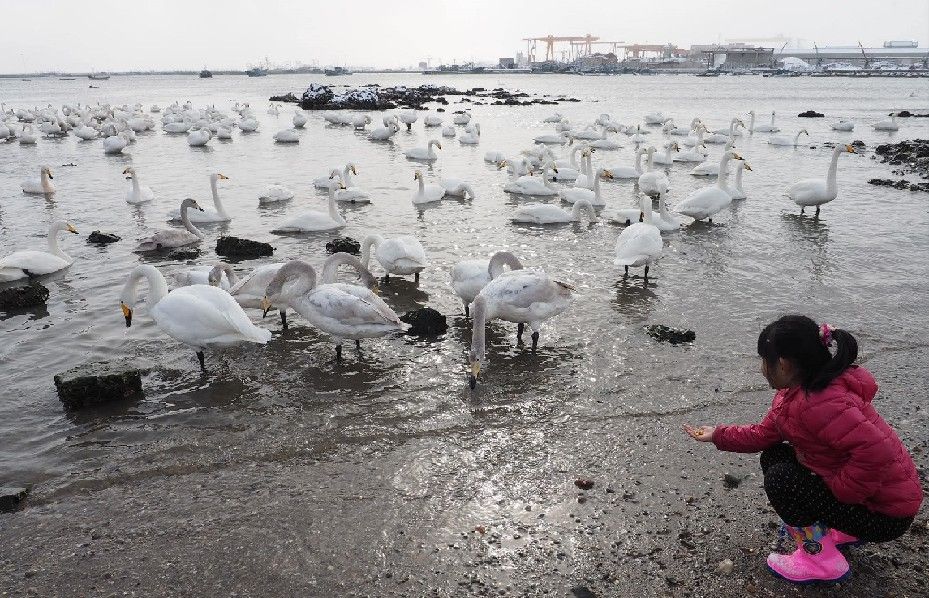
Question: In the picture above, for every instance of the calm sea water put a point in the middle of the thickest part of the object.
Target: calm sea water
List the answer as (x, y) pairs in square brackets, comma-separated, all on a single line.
[(861, 266)]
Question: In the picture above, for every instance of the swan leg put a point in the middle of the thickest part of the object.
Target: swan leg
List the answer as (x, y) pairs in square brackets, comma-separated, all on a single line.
[(802, 209), (626, 270), (416, 276), (284, 319), (535, 340), (357, 344), (519, 331), (646, 271), (817, 211), (338, 352), (467, 311), (200, 359)]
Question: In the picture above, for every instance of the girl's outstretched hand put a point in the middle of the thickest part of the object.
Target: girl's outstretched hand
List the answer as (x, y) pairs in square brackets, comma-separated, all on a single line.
[(700, 433)]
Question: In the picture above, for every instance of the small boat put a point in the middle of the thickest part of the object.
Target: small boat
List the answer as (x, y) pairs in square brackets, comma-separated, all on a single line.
[(66, 78), (205, 74), (94, 86), (98, 76), (337, 70), (257, 72)]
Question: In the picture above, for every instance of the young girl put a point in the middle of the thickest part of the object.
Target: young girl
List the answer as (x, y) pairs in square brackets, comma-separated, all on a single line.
[(834, 471)]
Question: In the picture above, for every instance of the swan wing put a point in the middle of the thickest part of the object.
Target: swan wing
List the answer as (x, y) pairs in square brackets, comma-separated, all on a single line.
[(637, 244), (33, 262), (203, 315)]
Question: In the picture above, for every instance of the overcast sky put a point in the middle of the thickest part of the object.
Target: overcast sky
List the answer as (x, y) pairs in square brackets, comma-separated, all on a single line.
[(190, 34)]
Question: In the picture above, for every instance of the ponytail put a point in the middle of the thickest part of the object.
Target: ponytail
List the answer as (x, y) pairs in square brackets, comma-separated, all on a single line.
[(798, 339)]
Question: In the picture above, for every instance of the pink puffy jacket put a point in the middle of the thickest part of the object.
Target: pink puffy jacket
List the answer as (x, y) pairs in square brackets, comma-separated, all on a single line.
[(838, 434)]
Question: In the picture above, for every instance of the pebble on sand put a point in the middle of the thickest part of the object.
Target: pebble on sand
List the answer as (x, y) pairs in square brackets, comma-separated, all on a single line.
[(97, 383), (724, 567)]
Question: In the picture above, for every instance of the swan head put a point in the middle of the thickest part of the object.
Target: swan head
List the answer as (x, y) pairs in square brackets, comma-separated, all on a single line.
[(127, 313), (418, 175), (606, 174), (220, 177), (850, 149), (190, 203), (351, 167), (746, 165), (803, 132), (502, 164), (47, 172), (129, 171)]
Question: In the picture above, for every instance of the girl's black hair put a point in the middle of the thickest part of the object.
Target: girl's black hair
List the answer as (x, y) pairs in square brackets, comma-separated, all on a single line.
[(798, 339)]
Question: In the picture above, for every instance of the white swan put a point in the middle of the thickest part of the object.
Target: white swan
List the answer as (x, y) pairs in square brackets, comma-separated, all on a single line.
[(640, 243), (772, 128), (666, 159), (248, 125), (207, 215), (585, 178), (360, 121), (604, 142), (816, 192), (299, 120), (788, 141), (457, 188), (543, 213), (629, 172), (86, 133), (408, 117), (426, 154), (314, 220), (322, 182), (551, 139), (402, 255), (449, 131), (531, 185), (42, 185), (471, 136), (200, 316), (575, 194), (432, 120), (888, 124), (115, 144), (28, 136), (704, 203), (843, 125), (426, 193), (287, 136), (344, 311), (653, 183), (220, 275), (554, 118), (351, 193), (32, 262), (655, 118), (137, 193), (199, 138), (697, 153), (172, 237), (384, 133), (696, 137), (736, 191), (470, 276), (710, 167), (275, 193), (521, 296), (639, 136), (462, 118), (722, 136)]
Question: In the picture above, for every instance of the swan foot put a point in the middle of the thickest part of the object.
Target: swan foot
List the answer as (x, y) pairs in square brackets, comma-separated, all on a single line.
[(519, 331), (200, 359), (467, 311), (535, 340), (802, 210), (283, 319), (646, 272)]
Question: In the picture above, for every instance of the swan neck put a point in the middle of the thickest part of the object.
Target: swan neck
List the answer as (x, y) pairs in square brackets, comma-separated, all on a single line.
[(722, 178), (185, 218), (299, 269), (220, 209), (646, 205), (331, 266), (157, 286), (53, 242), (333, 209), (638, 162), (347, 176), (833, 167), (366, 245), (478, 323), (501, 259)]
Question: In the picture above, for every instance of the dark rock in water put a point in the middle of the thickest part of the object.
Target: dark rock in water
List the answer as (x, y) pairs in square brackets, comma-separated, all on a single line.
[(440, 109), (97, 383), (425, 321), (901, 184), (288, 97), (343, 245), (912, 155), (858, 143), (675, 336), (99, 238), (811, 114), (236, 247), (11, 497), (18, 298), (904, 114), (584, 484), (731, 481), (582, 592)]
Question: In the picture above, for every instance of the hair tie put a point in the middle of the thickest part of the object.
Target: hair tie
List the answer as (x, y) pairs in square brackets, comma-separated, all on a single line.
[(825, 334)]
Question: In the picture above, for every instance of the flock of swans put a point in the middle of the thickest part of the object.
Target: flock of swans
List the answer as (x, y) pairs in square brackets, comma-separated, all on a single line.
[(206, 308)]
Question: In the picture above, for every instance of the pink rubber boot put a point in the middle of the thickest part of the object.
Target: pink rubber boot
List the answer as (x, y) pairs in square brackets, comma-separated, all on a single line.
[(816, 559), (841, 539)]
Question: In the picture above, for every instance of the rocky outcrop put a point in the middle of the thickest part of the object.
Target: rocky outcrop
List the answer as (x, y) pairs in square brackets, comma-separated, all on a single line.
[(425, 321), (235, 247), (100, 238), (97, 383), (811, 114), (19, 298), (373, 97)]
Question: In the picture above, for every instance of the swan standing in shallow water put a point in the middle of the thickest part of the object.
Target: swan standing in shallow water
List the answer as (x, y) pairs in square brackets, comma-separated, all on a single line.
[(205, 216), (426, 193), (788, 141), (470, 276), (172, 237), (402, 255), (888, 124), (520, 296), (816, 192), (653, 183), (28, 136), (33, 262), (42, 185), (314, 220), (351, 193), (543, 213), (426, 154), (115, 144), (137, 192), (772, 128), (704, 203), (200, 316), (640, 243), (344, 311)]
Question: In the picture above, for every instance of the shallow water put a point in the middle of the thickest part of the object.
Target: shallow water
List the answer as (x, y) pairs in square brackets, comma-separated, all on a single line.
[(862, 265)]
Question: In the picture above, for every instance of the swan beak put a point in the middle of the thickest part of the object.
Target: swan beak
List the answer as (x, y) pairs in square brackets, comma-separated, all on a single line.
[(438, 145), (265, 306), (748, 166), (127, 313), (50, 174), (850, 149), (607, 174), (475, 372), (223, 177), (355, 172), (126, 171), (71, 229), (501, 164)]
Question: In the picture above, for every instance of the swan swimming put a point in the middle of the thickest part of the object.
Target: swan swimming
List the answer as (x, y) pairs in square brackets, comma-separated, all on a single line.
[(42, 185), (426, 154), (137, 192), (206, 216), (426, 193), (653, 183), (788, 141), (275, 193), (313, 220), (543, 213), (31, 262), (172, 237)]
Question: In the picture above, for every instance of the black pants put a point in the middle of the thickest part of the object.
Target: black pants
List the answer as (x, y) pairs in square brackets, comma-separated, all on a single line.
[(802, 498)]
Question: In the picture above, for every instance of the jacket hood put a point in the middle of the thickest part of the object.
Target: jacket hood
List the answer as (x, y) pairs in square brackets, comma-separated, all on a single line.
[(857, 380)]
